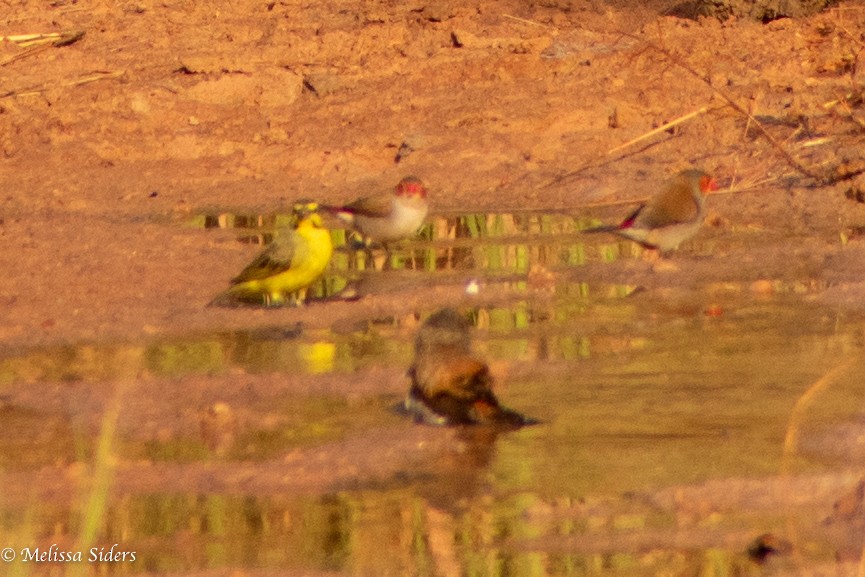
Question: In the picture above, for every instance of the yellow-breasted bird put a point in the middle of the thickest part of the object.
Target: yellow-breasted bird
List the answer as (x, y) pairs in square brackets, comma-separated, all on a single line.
[(449, 384), (671, 216), (388, 216), (292, 262)]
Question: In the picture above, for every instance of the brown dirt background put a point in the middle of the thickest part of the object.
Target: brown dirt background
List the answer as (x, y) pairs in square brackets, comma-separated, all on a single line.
[(109, 146)]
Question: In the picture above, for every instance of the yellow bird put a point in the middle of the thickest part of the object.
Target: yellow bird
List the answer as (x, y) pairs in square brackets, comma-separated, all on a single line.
[(292, 262)]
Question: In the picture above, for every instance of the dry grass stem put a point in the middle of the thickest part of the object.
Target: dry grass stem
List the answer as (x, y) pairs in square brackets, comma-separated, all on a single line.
[(662, 128), (817, 142), (845, 104), (524, 21), (35, 43), (745, 185), (675, 59), (52, 38), (681, 63), (604, 158)]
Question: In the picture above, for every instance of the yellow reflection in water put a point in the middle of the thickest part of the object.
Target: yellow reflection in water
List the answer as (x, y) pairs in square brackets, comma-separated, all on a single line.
[(317, 357)]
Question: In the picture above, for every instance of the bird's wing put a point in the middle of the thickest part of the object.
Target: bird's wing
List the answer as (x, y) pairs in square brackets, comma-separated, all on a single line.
[(379, 205), (674, 205), (458, 377), (276, 258)]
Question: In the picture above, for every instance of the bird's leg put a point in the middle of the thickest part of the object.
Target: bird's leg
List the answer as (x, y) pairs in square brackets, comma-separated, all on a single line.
[(274, 299), (387, 265), (299, 297), (651, 255)]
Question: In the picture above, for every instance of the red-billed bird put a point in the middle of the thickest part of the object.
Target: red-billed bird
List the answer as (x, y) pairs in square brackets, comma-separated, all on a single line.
[(390, 216), (672, 216)]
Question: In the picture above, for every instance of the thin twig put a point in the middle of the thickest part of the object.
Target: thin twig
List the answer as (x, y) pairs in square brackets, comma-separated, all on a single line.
[(77, 82), (849, 34), (675, 59), (21, 55)]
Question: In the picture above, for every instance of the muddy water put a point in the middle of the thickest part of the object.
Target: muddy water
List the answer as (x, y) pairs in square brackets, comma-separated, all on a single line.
[(668, 416)]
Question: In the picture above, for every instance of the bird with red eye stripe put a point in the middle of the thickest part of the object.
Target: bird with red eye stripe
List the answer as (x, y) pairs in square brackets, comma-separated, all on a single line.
[(389, 216), (672, 216)]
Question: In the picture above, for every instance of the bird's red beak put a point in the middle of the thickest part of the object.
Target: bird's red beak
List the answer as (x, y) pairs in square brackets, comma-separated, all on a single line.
[(708, 184)]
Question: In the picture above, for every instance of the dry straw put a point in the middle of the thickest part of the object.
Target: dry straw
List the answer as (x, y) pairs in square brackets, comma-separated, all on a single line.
[(35, 43)]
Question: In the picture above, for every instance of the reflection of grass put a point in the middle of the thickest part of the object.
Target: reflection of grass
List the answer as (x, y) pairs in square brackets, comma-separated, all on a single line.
[(33, 438), (73, 363), (23, 537), (532, 238), (181, 358), (95, 499), (276, 348), (474, 224)]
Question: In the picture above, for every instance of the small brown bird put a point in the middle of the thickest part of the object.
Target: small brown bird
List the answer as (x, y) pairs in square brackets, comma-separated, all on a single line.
[(671, 217), (387, 217), (450, 385)]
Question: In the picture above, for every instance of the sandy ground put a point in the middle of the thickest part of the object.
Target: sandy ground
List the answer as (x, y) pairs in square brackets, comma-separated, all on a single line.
[(162, 111)]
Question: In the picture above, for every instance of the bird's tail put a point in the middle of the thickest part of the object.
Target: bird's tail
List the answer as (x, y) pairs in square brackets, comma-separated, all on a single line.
[(343, 213), (489, 412), (240, 295), (334, 209), (225, 299), (602, 228)]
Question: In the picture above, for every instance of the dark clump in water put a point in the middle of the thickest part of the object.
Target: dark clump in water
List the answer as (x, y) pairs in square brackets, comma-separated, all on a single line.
[(449, 384)]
